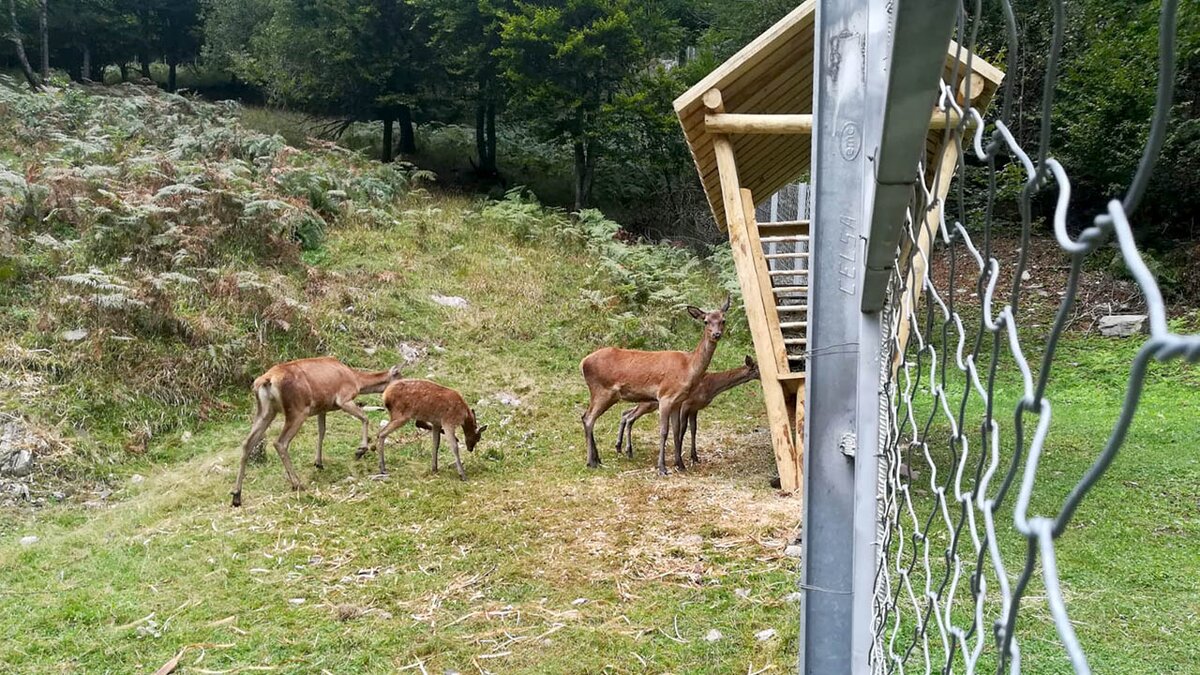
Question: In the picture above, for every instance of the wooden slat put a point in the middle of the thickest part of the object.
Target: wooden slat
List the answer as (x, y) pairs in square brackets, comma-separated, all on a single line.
[(789, 289), (777, 256)]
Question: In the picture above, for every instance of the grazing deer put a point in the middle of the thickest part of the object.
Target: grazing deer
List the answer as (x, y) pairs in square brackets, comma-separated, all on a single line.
[(707, 389), (434, 407), (301, 389), (666, 378)]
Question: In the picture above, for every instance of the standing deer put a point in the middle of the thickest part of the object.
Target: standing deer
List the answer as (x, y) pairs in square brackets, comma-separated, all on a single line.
[(707, 389), (666, 377), (301, 389), (434, 407)]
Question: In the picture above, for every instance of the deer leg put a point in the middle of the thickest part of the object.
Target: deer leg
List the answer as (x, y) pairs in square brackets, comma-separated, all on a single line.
[(462, 475), (320, 463), (352, 408), (291, 426), (692, 427), (601, 401), (678, 421), (666, 411), (436, 432), (621, 429), (394, 424), (257, 430)]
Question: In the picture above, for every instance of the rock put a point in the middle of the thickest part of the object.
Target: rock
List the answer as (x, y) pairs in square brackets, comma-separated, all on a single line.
[(793, 551), (412, 353), (764, 635), (579, 601), (136, 478), (507, 398), (794, 596), (185, 437), (296, 601), (1122, 325), (449, 301), (18, 462), (742, 592), (1025, 276), (713, 635), (74, 335), (29, 540)]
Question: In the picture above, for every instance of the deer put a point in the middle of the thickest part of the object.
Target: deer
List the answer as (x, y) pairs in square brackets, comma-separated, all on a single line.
[(300, 389), (709, 387), (433, 407), (613, 374)]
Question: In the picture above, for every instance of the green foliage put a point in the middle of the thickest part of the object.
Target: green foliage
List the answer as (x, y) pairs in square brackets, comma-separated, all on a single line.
[(166, 233)]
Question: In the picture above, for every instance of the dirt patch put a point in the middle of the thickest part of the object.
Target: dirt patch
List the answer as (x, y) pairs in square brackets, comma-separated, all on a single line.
[(1043, 284)]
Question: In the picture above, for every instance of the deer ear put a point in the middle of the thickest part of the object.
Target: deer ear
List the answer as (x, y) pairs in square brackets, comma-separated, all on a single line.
[(696, 312), (728, 299), (394, 373), (749, 362), (480, 430)]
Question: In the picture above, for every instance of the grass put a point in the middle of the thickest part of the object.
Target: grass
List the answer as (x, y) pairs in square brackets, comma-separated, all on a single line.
[(535, 564), (423, 567)]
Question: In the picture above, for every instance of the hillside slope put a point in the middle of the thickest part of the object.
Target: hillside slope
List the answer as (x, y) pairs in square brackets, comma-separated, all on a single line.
[(192, 253)]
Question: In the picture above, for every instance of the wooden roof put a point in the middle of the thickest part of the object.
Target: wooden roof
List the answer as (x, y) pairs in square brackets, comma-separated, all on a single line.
[(772, 75)]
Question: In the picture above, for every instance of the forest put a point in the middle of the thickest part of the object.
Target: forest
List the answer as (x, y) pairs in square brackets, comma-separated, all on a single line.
[(573, 99)]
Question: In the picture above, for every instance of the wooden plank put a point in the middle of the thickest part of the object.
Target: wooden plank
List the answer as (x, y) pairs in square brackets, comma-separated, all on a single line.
[(751, 54), (764, 280), (780, 423), (920, 257), (758, 123)]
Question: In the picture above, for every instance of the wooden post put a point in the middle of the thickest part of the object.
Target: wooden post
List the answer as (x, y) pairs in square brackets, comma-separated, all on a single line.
[(746, 261), (919, 254)]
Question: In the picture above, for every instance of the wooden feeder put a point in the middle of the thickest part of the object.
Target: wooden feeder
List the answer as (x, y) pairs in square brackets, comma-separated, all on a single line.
[(748, 125)]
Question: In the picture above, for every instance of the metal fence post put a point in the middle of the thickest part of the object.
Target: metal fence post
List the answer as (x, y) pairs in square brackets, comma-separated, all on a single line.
[(843, 102)]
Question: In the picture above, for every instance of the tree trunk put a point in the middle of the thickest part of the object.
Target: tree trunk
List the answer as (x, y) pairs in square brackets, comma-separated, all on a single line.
[(480, 136), (124, 68), (584, 165), (490, 162), (45, 35), (15, 37), (85, 68), (408, 139), (386, 155), (171, 68), (144, 64)]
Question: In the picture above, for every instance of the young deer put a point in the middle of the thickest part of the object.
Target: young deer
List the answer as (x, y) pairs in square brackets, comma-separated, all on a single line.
[(707, 389), (433, 407), (301, 389), (666, 378)]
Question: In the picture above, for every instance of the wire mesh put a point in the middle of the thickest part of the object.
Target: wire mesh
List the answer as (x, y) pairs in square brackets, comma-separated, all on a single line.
[(953, 573)]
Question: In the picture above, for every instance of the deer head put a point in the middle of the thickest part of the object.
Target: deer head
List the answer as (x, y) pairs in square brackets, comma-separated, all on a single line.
[(714, 321), (752, 369), (473, 434)]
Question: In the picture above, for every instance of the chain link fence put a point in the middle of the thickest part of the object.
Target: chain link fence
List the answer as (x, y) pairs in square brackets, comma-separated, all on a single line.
[(968, 405)]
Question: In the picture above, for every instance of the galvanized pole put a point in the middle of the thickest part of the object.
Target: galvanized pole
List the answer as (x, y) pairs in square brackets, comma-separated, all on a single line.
[(831, 436)]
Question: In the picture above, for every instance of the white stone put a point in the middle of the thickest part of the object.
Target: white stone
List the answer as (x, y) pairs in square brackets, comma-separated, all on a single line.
[(794, 596), (74, 335), (29, 540), (1121, 325), (136, 478), (764, 635), (449, 300), (713, 635), (793, 551)]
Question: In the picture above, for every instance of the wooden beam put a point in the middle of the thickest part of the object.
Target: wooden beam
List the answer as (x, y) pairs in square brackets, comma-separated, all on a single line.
[(736, 208), (734, 123), (788, 125), (919, 254)]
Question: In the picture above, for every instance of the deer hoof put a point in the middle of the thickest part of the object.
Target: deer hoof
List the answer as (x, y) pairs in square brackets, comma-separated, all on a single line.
[(462, 477), (319, 465), (237, 498), (358, 454)]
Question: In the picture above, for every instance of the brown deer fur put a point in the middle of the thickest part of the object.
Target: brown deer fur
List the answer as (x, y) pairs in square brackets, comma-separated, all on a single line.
[(703, 394), (666, 377), (431, 406), (301, 389)]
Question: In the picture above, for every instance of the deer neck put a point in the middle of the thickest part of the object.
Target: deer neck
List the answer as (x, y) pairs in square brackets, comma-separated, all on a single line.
[(372, 382), (719, 383), (701, 357)]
